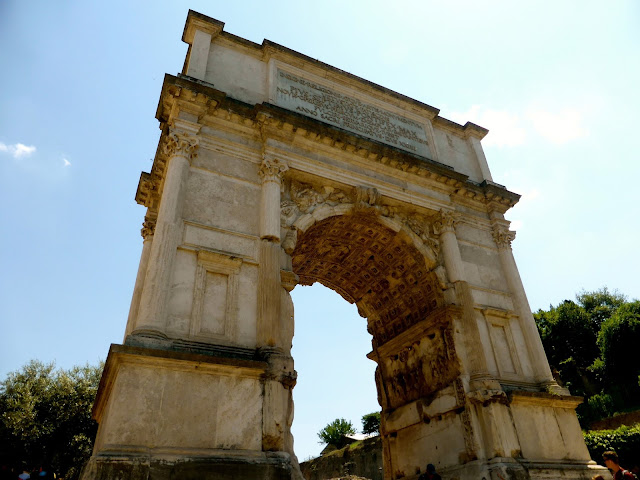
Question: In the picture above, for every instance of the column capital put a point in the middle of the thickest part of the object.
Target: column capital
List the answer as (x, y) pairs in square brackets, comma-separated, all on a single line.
[(272, 169), (179, 143), (503, 236), (445, 221), (148, 228)]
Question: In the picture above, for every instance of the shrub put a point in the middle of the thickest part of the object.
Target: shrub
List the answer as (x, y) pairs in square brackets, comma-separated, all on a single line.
[(625, 441)]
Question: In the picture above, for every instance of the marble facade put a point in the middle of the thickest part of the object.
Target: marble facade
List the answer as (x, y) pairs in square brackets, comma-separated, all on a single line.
[(273, 170)]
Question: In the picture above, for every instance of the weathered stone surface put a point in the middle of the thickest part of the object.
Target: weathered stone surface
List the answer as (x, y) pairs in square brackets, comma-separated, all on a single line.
[(387, 203), (362, 460), (209, 468)]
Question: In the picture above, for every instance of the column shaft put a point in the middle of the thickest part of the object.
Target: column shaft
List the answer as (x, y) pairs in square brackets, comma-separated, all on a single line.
[(269, 286), (137, 289), (452, 258), (168, 232), (477, 363), (540, 365), (270, 211), (269, 282)]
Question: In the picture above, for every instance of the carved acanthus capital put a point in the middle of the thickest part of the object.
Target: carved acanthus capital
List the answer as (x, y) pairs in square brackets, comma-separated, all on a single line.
[(503, 236), (272, 169), (444, 222), (148, 227), (182, 144)]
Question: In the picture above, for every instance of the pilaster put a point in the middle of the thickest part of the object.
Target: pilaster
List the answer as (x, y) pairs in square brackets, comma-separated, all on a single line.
[(199, 55), (199, 31)]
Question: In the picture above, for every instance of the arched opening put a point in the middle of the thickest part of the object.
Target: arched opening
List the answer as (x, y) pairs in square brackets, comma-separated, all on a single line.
[(335, 378), (387, 277), (372, 266)]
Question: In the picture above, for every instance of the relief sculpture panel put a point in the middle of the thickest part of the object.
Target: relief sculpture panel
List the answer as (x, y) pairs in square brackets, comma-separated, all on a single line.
[(420, 369)]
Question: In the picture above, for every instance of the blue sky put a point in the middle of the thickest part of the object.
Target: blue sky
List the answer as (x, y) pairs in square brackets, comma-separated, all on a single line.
[(555, 82)]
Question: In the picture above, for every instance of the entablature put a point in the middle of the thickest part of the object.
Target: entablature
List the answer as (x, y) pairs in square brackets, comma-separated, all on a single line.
[(183, 97)]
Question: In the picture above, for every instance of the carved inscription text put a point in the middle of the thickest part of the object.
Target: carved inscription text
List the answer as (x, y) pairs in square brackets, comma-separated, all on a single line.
[(329, 106)]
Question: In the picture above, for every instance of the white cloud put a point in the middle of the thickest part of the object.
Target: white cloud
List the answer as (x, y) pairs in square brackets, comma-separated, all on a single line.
[(560, 127), (504, 127), (17, 150), (67, 163)]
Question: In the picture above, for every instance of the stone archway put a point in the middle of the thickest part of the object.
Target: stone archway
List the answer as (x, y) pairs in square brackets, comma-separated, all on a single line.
[(300, 172), (385, 258), (387, 277)]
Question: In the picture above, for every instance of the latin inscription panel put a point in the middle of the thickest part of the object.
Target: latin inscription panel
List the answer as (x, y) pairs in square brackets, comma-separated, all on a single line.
[(329, 106)]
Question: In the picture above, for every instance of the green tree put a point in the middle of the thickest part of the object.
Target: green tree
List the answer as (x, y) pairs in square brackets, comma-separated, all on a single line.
[(371, 423), (600, 304), (334, 432), (569, 339), (619, 340), (45, 416), (591, 346)]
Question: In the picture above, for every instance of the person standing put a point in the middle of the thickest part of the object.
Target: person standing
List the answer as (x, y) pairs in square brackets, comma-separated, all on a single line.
[(613, 464), (430, 474)]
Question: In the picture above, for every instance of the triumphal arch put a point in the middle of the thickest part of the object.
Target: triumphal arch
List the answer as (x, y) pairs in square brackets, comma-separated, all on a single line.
[(274, 170)]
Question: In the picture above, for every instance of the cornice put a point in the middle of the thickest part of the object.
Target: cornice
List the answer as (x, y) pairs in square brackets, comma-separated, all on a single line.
[(145, 186), (198, 21), (467, 130), (543, 399), (476, 131), (267, 121), (268, 50)]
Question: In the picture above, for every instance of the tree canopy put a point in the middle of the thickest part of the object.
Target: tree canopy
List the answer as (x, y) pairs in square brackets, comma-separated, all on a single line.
[(371, 423), (334, 432), (45, 417), (591, 344)]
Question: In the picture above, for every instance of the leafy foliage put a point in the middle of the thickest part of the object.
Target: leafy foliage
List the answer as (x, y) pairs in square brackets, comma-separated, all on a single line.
[(591, 346), (569, 339), (619, 339), (625, 441), (45, 416), (371, 423), (334, 432), (600, 304)]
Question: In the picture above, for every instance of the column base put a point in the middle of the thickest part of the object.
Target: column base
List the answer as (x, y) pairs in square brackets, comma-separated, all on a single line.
[(131, 467), (511, 469)]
